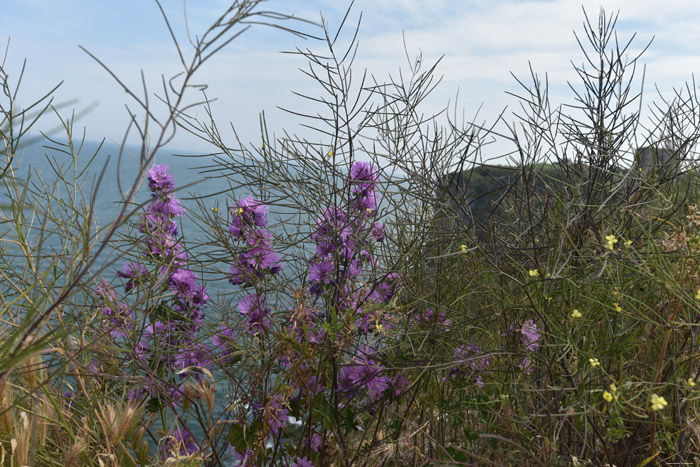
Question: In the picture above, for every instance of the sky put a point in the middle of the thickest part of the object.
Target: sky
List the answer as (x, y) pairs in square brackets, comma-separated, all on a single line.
[(481, 44)]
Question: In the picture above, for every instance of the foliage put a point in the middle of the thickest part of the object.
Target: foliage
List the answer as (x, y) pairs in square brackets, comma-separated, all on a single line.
[(370, 313)]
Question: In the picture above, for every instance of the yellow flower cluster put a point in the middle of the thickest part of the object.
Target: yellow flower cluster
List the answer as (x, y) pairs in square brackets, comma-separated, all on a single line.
[(594, 362), (658, 402), (612, 394), (576, 314), (611, 240), (534, 273)]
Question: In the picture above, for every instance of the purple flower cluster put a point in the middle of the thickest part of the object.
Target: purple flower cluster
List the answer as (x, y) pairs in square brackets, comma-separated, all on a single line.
[(363, 183), (301, 462), (274, 413), (161, 231), (530, 337), (343, 237), (470, 359), (170, 340), (432, 318), (257, 260), (249, 219), (303, 326), (364, 373), (119, 318), (253, 308), (224, 345), (134, 273), (178, 442), (157, 222)]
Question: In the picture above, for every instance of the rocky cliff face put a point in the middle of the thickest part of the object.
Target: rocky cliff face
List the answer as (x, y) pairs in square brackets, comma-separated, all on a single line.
[(506, 194)]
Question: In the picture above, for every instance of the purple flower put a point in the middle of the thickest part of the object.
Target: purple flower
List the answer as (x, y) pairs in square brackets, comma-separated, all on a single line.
[(316, 442), (159, 179), (302, 462), (119, 317), (253, 307), (198, 355), (178, 442), (321, 272), (200, 296), (275, 413), (157, 223), (184, 284), (526, 365), (430, 316), (263, 258), (364, 373), (314, 387), (384, 290), (133, 272), (376, 386), (400, 384), (377, 232), (223, 343), (470, 356), (530, 335), (169, 206), (366, 204), (363, 177), (246, 213), (246, 459), (355, 268)]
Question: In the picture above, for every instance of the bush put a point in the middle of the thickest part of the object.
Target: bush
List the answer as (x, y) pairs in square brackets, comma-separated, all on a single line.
[(374, 309)]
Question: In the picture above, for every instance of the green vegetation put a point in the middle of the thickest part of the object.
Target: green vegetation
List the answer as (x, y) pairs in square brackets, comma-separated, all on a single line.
[(367, 315)]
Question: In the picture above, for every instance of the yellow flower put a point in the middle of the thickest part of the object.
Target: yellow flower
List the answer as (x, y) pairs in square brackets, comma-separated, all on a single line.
[(464, 248), (611, 241), (691, 382), (576, 314), (607, 396), (628, 242), (533, 273), (618, 308), (697, 295), (548, 275), (239, 211), (379, 326), (330, 153), (613, 388), (214, 210), (594, 362), (658, 403)]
